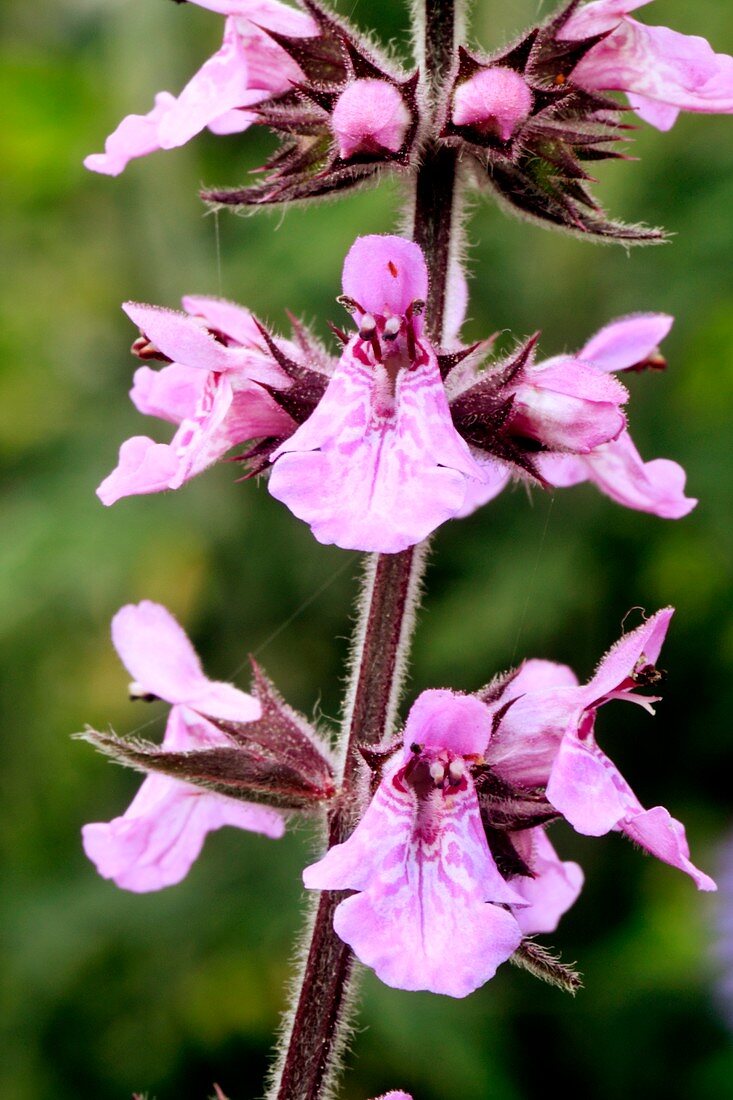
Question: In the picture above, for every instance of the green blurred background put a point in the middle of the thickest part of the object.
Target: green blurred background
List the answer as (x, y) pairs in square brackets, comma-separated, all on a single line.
[(106, 992)]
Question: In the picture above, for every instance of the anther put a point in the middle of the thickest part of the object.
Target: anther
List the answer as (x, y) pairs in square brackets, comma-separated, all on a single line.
[(137, 693), (349, 304), (392, 328), (368, 326), (456, 768), (146, 349), (437, 772)]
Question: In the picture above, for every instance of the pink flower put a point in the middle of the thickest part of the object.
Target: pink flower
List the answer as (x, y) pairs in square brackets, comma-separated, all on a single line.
[(432, 910), (377, 449), (663, 72), (567, 405), (379, 464), (546, 737), (521, 411), (248, 69), (552, 890), (161, 833), (212, 390), (616, 467)]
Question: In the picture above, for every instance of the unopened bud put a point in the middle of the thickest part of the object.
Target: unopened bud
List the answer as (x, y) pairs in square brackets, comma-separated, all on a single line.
[(370, 116), (494, 101)]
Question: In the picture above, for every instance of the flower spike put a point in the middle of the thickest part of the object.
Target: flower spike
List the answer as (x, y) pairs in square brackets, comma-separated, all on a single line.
[(376, 449), (451, 865)]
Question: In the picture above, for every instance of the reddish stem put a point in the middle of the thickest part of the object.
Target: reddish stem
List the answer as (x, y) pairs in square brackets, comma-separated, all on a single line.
[(315, 1034)]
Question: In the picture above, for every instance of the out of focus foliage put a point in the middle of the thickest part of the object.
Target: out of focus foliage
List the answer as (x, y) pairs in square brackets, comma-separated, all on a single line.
[(105, 992)]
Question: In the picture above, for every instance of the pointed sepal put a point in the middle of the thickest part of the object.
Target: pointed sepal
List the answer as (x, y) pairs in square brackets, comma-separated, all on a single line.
[(541, 963), (529, 130), (506, 808), (236, 772), (308, 376), (282, 735), (482, 411), (538, 190), (277, 760)]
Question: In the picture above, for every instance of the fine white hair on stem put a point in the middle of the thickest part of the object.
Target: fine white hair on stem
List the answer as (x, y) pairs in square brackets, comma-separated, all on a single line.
[(344, 1029)]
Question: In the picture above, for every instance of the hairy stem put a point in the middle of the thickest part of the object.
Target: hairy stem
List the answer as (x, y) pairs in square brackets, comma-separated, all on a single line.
[(435, 220), (317, 1026)]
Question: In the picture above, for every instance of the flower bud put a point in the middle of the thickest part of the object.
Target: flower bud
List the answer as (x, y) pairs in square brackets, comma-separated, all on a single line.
[(495, 101), (370, 116)]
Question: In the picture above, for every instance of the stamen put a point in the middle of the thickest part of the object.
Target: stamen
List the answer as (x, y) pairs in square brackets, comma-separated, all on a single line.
[(368, 326), (392, 328), (393, 269), (146, 349), (350, 304), (137, 693), (437, 772), (457, 768), (411, 342)]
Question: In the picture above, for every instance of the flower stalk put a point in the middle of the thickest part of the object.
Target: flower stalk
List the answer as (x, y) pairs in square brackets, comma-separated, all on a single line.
[(317, 1025)]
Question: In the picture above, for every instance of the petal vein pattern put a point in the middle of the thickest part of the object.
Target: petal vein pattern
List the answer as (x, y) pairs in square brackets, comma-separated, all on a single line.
[(421, 920), (432, 912), (379, 464), (372, 474)]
